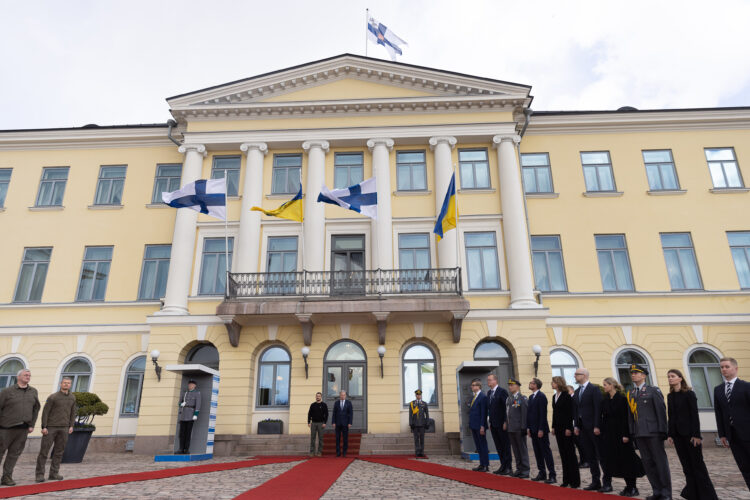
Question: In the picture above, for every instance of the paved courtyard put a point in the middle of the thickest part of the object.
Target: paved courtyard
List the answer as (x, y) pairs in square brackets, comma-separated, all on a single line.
[(361, 479)]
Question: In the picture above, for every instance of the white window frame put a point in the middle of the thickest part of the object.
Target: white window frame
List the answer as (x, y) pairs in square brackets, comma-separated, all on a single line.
[(203, 233), (640, 350), (481, 224), (435, 352), (66, 359)]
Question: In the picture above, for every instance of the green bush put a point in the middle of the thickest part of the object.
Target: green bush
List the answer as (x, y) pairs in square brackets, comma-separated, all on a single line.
[(89, 405)]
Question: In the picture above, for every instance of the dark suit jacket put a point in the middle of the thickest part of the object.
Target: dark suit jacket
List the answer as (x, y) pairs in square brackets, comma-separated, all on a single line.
[(345, 415), (496, 407), (478, 412), (588, 407), (562, 413), (682, 409), (536, 418), (738, 409)]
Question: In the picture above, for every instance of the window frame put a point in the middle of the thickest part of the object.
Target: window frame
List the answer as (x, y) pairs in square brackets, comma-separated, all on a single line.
[(723, 171), (33, 275), (6, 184), (546, 260), (611, 252), (156, 194), (12, 377), (661, 177), (75, 375), (609, 166), (158, 260), (561, 367), (277, 168), (536, 168), (96, 270), (497, 261), (202, 264), (746, 250), (110, 181), (682, 273), (54, 183), (141, 374), (704, 367), (474, 169), (626, 366), (419, 363), (216, 169), (412, 165), (274, 372), (347, 167)]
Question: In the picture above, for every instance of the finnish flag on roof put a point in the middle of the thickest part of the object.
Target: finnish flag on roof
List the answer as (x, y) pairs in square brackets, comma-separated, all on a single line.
[(204, 196), (362, 197), (379, 34)]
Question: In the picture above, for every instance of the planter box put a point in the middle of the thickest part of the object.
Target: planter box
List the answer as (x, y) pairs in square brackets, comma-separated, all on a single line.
[(76, 446), (270, 427)]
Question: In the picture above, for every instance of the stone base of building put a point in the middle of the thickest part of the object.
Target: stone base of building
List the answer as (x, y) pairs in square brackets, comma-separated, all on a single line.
[(98, 444)]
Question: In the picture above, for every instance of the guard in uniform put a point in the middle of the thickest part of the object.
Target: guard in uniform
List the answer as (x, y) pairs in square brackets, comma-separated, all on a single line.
[(419, 422), (648, 424), (517, 406), (190, 406)]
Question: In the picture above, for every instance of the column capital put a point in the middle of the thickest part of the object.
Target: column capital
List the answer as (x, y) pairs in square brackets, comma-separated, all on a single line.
[(515, 138), (442, 139), (308, 145), (198, 148), (246, 147), (388, 143)]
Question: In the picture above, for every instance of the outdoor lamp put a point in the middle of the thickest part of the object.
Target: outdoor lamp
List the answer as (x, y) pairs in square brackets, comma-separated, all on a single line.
[(154, 357), (381, 353), (537, 351), (305, 353)]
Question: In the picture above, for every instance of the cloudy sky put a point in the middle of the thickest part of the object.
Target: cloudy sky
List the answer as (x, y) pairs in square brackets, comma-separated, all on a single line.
[(74, 62)]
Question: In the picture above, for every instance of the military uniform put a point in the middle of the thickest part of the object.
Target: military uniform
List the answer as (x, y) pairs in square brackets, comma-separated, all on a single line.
[(19, 409), (58, 417), (517, 406), (419, 421), (190, 406)]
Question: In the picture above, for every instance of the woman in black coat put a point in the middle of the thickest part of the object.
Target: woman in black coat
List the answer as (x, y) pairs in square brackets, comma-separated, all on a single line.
[(618, 454), (562, 429), (685, 434)]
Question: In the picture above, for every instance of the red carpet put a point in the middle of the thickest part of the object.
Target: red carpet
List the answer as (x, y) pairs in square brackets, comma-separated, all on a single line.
[(490, 481), (306, 481), (329, 444), (73, 484)]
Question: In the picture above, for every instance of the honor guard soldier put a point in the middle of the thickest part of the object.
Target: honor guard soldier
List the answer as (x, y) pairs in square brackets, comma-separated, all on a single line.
[(190, 406), (517, 407), (419, 422)]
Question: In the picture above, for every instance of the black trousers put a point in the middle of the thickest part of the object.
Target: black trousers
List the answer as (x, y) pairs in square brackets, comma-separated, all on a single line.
[(741, 452), (543, 454), (186, 431), (698, 485), (418, 432), (566, 446), (502, 445), (656, 464), (342, 431), (590, 446)]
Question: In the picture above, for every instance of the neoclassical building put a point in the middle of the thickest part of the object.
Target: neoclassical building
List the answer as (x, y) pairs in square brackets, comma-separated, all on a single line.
[(585, 238)]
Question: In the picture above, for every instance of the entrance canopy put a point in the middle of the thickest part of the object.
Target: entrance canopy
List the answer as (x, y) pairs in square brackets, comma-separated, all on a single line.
[(191, 368)]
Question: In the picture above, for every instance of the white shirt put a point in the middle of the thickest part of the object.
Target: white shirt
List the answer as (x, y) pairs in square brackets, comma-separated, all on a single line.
[(534, 393), (730, 382)]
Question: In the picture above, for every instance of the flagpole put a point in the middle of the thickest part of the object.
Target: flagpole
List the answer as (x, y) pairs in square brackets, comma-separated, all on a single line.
[(367, 24), (455, 214), (226, 236)]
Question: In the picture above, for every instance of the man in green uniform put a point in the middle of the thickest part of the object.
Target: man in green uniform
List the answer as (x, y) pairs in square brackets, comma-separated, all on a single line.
[(19, 408), (58, 417), (419, 421)]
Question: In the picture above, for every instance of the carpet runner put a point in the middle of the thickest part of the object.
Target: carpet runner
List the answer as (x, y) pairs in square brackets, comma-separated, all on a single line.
[(306, 481), (329, 444)]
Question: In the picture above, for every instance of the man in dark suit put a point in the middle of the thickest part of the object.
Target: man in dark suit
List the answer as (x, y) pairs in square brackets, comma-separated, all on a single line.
[(343, 416), (497, 415), (478, 424), (732, 408), (536, 420), (588, 417)]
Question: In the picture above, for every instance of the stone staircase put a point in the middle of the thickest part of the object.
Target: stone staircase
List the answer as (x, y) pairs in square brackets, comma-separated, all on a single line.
[(403, 444)]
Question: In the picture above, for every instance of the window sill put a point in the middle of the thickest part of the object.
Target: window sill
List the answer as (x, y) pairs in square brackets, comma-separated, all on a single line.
[(665, 192), (234, 198), (284, 196), (157, 205), (477, 190), (105, 207), (602, 194), (728, 190), (411, 193), (47, 208), (542, 195)]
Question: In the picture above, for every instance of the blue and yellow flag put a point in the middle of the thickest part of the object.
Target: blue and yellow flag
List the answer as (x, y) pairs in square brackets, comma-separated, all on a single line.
[(447, 218), (291, 210)]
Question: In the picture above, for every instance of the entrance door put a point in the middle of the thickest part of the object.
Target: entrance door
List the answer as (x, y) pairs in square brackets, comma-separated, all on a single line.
[(348, 265), (346, 370)]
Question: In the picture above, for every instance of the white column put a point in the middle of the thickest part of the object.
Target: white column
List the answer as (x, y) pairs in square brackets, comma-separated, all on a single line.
[(515, 230), (183, 241), (442, 146), (381, 167), (314, 224), (248, 239)]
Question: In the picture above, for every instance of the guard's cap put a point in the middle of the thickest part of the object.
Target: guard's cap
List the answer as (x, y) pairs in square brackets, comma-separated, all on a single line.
[(418, 392), (513, 381), (639, 369), (191, 381)]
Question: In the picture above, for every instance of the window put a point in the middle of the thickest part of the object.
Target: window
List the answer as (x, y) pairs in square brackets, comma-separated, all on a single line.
[(549, 270), (52, 187), (481, 261), (537, 176), (725, 173), (167, 180), (419, 373), (494, 350), (214, 266), (286, 174), (109, 187), (79, 370), (203, 354), (273, 377), (8, 370), (739, 244), (411, 171), (4, 181), (33, 274), (154, 272), (131, 394), (624, 360), (660, 170), (281, 265), (474, 168), (564, 365), (345, 351), (94, 273), (614, 265), (414, 261), (597, 171), (348, 169), (681, 265), (231, 166), (705, 374)]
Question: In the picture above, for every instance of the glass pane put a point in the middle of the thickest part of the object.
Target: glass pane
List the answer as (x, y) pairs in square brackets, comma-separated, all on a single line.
[(37, 254), (700, 386), (37, 284), (5, 174), (480, 239), (410, 157), (55, 173), (98, 253), (668, 176), (556, 272), (265, 385), (3, 192), (11, 366), (279, 180), (714, 376), (474, 267), (411, 381), (742, 265), (560, 357), (87, 281), (609, 241), (624, 281), (345, 351), (415, 240), (275, 354), (277, 244), (131, 395), (544, 180), (489, 259), (77, 365), (81, 383), (24, 283), (429, 394), (482, 175), (719, 154), (103, 192), (403, 175), (333, 381), (422, 259), (739, 239), (148, 280), (717, 175), (138, 364), (606, 183), (233, 182), (204, 354), (100, 283), (356, 381), (348, 159), (545, 243), (112, 172), (689, 268), (629, 358), (733, 174), (467, 176), (472, 155), (419, 177), (537, 159), (290, 262), (406, 259), (703, 356), (607, 271), (672, 240), (341, 178), (490, 350), (287, 161), (44, 196), (158, 251), (529, 180), (57, 194), (169, 170), (418, 352), (654, 179), (657, 156), (348, 243), (162, 274), (589, 176), (282, 385), (541, 273), (623, 374), (595, 158)]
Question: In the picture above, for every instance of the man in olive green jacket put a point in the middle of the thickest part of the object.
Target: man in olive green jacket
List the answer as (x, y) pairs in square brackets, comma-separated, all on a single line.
[(58, 417), (19, 408)]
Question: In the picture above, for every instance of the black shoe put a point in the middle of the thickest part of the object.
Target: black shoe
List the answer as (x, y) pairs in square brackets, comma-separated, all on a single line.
[(606, 488), (551, 480), (629, 492), (653, 497), (478, 468), (515, 474), (55, 477), (584, 465), (524, 475), (539, 477), (593, 487), (564, 485), (39, 479), (7, 481)]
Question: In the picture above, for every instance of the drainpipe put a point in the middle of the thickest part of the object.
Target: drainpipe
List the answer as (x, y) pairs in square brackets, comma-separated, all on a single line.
[(171, 124), (527, 112)]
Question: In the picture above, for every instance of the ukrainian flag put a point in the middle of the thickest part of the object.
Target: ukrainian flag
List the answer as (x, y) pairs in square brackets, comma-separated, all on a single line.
[(447, 218), (291, 210)]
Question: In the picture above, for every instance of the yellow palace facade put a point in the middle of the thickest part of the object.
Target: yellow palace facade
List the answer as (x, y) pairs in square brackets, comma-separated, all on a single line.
[(594, 239)]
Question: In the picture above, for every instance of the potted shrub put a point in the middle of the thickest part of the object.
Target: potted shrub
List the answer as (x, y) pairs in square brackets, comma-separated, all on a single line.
[(89, 405), (271, 426)]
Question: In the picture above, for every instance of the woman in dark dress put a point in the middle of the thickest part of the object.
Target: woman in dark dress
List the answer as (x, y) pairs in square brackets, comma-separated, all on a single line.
[(685, 434), (618, 454), (562, 429)]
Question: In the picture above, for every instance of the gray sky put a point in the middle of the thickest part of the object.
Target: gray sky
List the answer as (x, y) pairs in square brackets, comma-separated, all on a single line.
[(73, 62)]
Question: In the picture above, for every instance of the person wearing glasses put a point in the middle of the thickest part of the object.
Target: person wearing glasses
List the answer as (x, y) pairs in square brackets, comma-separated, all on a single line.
[(478, 424)]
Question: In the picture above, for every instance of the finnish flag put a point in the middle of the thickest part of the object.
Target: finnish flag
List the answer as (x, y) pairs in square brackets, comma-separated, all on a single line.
[(362, 197), (204, 196), (379, 34)]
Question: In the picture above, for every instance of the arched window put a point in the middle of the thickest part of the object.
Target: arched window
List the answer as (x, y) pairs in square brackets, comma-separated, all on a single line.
[(203, 354), (8, 370), (492, 350), (345, 351), (131, 394), (419, 372), (624, 360), (564, 365), (273, 377), (704, 375), (79, 370)]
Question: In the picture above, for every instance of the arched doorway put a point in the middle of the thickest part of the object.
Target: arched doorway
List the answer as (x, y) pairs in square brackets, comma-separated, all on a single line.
[(203, 354), (345, 369), (494, 350)]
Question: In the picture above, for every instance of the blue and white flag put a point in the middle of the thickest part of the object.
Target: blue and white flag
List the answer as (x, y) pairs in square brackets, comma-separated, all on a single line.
[(379, 34), (204, 196), (362, 197)]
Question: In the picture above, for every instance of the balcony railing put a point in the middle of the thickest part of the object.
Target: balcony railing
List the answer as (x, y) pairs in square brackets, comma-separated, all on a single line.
[(371, 282)]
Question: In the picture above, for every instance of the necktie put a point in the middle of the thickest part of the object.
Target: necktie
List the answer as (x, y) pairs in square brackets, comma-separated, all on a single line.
[(492, 395), (728, 391)]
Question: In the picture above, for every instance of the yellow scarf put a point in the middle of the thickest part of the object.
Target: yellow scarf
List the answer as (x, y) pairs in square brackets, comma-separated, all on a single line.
[(414, 408), (633, 404)]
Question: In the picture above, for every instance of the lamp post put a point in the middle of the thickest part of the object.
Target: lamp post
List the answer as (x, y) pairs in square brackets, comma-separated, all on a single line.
[(305, 354), (537, 351), (381, 353), (154, 357)]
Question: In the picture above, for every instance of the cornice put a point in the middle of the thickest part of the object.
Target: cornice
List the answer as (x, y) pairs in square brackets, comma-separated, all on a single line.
[(84, 138)]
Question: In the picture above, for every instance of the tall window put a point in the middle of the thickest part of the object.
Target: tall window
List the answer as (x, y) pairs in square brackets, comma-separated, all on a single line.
[(8, 370), (4, 181), (419, 373), (213, 279), (411, 171), (549, 270), (167, 180), (231, 166), (79, 370), (33, 274), (739, 243), (722, 163), (681, 264), (625, 359), (564, 365), (705, 374), (597, 171), (474, 168), (94, 273), (414, 260), (273, 377), (281, 266), (52, 187), (286, 173), (110, 185), (348, 169), (537, 175), (131, 394), (481, 261), (154, 272), (614, 265), (660, 170)]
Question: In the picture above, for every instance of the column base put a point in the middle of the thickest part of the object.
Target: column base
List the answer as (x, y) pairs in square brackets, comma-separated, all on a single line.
[(525, 304), (172, 311)]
